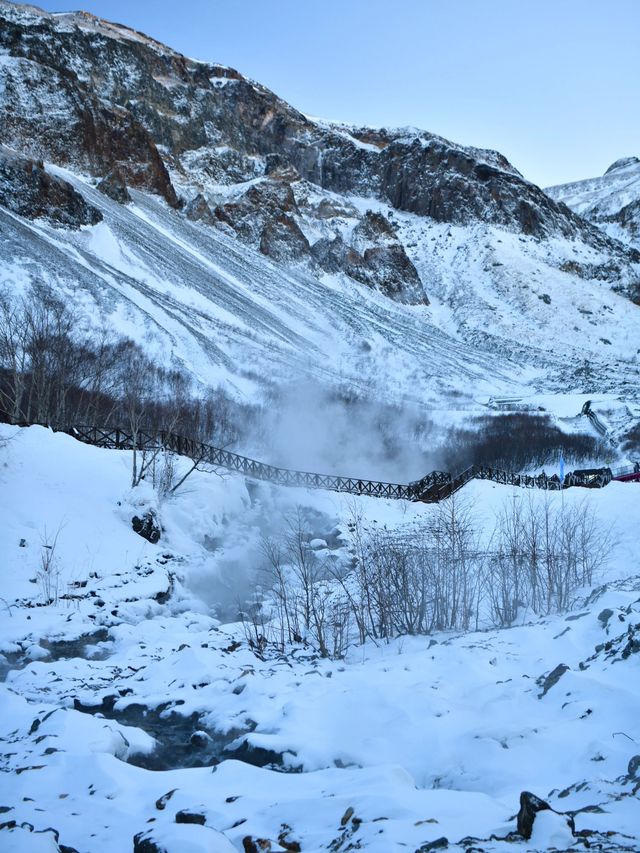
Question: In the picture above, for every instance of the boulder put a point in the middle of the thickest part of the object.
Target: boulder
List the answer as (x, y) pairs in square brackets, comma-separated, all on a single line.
[(187, 816), (530, 805), (389, 270), (553, 823), (438, 844), (552, 679), (197, 210), (114, 186), (147, 526), (283, 241)]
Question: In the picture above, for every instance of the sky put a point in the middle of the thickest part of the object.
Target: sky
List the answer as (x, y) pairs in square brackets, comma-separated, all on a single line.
[(552, 84)]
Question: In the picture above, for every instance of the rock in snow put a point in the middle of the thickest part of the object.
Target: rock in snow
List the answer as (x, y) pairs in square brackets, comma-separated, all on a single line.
[(182, 838), (28, 189)]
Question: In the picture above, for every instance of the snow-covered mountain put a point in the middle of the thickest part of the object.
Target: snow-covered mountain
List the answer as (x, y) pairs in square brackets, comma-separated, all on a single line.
[(611, 201), (190, 208), (402, 674)]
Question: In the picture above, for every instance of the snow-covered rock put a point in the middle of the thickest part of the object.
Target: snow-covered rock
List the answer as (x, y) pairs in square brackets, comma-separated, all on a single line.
[(612, 201)]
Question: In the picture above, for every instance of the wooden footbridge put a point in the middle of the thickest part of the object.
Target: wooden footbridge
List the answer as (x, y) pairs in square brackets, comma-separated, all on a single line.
[(431, 488)]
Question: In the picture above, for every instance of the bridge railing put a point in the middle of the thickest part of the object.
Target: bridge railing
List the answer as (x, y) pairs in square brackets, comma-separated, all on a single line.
[(431, 488)]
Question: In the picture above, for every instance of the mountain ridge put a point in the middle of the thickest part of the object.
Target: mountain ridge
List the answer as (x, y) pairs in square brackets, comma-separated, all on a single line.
[(611, 201), (378, 256)]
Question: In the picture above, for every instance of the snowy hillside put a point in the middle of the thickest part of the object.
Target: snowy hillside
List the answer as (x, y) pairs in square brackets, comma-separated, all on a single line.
[(612, 201), (282, 249), (123, 694), (192, 660)]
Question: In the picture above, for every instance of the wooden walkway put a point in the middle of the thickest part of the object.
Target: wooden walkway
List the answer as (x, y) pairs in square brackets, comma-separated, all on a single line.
[(431, 488)]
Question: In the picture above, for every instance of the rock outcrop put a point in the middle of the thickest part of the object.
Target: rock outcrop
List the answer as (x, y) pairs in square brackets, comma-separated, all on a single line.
[(97, 97), (114, 185), (82, 91), (26, 188)]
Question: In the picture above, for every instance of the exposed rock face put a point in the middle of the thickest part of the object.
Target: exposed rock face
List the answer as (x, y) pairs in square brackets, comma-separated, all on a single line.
[(50, 107), (114, 185), (375, 257), (262, 203), (121, 97), (283, 240), (103, 99), (28, 189), (197, 210)]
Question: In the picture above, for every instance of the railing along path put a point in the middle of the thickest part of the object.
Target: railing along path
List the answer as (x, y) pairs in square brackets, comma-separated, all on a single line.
[(432, 488)]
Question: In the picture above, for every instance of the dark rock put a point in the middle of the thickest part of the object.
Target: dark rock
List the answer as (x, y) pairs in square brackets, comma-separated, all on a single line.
[(27, 189), (346, 817), (147, 526), (86, 130), (144, 842), (375, 258), (185, 816), (126, 104), (115, 187), (438, 844), (552, 679), (332, 254), (633, 768), (285, 843), (276, 167), (162, 801), (283, 241), (374, 228), (530, 805), (388, 269), (197, 210), (199, 739), (212, 122), (604, 616), (258, 845), (258, 756)]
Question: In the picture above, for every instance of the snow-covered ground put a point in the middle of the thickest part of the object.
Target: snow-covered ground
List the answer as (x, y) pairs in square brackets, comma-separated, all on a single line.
[(423, 737)]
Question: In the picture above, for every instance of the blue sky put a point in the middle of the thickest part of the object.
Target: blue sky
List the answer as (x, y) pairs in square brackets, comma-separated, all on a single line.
[(552, 84)]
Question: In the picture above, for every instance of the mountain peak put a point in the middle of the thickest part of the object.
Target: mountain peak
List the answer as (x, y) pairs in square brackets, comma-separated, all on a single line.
[(622, 163)]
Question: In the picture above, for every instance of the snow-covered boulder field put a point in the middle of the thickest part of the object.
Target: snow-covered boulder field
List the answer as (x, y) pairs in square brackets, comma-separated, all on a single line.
[(135, 715)]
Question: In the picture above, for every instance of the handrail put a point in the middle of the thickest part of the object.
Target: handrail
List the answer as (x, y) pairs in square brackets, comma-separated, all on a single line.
[(432, 488)]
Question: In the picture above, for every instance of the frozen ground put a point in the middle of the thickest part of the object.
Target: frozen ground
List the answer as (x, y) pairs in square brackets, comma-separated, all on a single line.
[(116, 695)]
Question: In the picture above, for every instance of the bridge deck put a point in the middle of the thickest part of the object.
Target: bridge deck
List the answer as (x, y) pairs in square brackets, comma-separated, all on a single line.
[(431, 488)]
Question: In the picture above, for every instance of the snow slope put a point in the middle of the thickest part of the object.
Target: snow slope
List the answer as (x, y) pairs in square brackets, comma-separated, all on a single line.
[(611, 201), (508, 313), (423, 737)]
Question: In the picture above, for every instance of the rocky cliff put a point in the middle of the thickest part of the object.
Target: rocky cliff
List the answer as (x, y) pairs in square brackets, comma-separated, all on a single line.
[(187, 207), (100, 98)]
